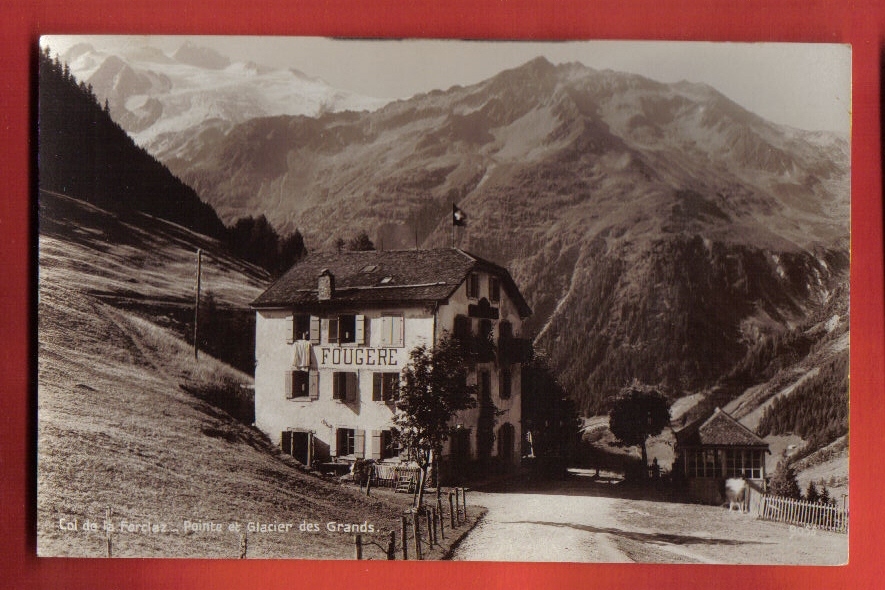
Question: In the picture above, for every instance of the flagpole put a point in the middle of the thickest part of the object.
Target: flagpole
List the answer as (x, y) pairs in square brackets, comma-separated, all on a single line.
[(453, 225)]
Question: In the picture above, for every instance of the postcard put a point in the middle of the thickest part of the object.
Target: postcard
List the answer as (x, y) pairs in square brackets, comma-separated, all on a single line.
[(319, 298)]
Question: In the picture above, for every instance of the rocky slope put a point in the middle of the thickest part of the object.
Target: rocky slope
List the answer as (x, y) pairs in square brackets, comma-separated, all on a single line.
[(658, 230)]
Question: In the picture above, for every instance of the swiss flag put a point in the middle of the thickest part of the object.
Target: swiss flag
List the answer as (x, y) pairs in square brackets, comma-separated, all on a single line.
[(458, 216)]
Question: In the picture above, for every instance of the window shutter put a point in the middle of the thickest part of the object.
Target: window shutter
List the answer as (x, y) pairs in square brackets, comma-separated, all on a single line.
[(290, 329), (375, 446), (397, 331), (286, 442), (313, 385), (359, 444), (314, 329), (333, 330), (351, 386), (377, 380), (290, 376), (360, 335)]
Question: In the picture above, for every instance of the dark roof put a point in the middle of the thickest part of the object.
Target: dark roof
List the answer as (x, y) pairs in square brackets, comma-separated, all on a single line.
[(720, 429), (383, 277)]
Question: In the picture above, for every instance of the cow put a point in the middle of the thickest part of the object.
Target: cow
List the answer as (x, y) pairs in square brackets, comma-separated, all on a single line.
[(737, 493)]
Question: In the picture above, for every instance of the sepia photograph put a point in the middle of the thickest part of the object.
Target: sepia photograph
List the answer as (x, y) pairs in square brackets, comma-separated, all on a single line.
[(508, 301)]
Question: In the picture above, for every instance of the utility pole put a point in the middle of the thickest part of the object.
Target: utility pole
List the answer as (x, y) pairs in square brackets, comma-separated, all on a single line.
[(197, 303)]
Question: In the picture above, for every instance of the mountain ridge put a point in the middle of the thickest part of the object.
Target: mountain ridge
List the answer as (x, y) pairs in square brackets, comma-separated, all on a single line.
[(658, 230)]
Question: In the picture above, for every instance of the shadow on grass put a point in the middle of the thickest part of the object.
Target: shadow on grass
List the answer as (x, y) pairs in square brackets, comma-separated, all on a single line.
[(652, 538)]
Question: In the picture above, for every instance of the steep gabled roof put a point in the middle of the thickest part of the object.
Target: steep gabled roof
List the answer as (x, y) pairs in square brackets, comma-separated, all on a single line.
[(720, 429), (390, 276)]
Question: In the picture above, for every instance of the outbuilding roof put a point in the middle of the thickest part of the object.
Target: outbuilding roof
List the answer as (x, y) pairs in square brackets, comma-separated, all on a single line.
[(378, 277), (721, 430)]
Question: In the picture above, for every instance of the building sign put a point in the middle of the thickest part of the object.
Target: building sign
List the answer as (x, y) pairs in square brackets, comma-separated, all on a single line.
[(357, 356)]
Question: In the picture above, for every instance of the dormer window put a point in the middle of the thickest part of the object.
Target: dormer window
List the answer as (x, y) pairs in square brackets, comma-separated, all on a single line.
[(369, 268), (386, 280)]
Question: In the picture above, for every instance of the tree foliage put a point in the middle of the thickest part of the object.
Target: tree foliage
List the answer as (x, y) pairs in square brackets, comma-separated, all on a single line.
[(816, 410), (547, 411), (254, 239), (811, 493), (639, 411), (84, 154), (433, 388), (784, 483), (360, 243)]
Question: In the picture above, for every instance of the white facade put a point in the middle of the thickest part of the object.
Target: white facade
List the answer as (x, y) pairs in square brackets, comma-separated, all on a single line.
[(321, 398)]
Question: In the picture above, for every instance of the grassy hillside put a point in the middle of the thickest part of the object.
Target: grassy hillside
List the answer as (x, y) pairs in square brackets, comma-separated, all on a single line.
[(118, 430)]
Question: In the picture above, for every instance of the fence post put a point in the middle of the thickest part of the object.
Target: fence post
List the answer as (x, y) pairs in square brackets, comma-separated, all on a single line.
[(416, 526), (451, 510), (433, 514), (369, 484), (107, 529), (358, 540), (243, 546), (457, 507), (405, 533), (439, 513), (464, 502), (391, 546), (429, 516)]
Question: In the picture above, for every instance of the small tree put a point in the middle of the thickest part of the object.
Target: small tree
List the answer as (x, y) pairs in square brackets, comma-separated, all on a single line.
[(361, 243), (433, 388), (824, 497), (639, 412), (811, 493), (783, 482)]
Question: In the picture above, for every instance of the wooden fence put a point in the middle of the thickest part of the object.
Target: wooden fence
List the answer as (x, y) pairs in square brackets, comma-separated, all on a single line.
[(809, 515), (390, 475)]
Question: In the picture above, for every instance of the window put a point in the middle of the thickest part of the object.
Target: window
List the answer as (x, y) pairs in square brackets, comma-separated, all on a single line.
[(351, 442), (494, 289), (344, 386), (384, 386), (344, 329), (484, 387), (301, 326), (301, 384), (392, 331), (389, 448), (298, 327), (504, 381), (743, 463), (485, 329), (463, 326), (702, 463), (473, 286)]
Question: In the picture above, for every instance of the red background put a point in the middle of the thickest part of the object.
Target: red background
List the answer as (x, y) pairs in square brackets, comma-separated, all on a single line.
[(860, 23)]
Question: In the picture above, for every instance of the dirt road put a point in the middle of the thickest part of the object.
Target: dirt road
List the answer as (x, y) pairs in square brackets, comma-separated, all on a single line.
[(541, 527), (580, 520)]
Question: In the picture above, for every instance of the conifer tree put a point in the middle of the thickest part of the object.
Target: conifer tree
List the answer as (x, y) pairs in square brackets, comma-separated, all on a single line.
[(783, 482), (811, 493)]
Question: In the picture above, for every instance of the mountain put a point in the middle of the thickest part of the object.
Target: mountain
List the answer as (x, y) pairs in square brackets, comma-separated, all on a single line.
[(657, 230), (83, 153), (157, 97)]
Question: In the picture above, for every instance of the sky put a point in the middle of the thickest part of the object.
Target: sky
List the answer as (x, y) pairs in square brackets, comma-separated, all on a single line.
[(802, 85)]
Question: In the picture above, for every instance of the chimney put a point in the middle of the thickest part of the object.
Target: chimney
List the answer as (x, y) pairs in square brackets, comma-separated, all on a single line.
[(325, 285)]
